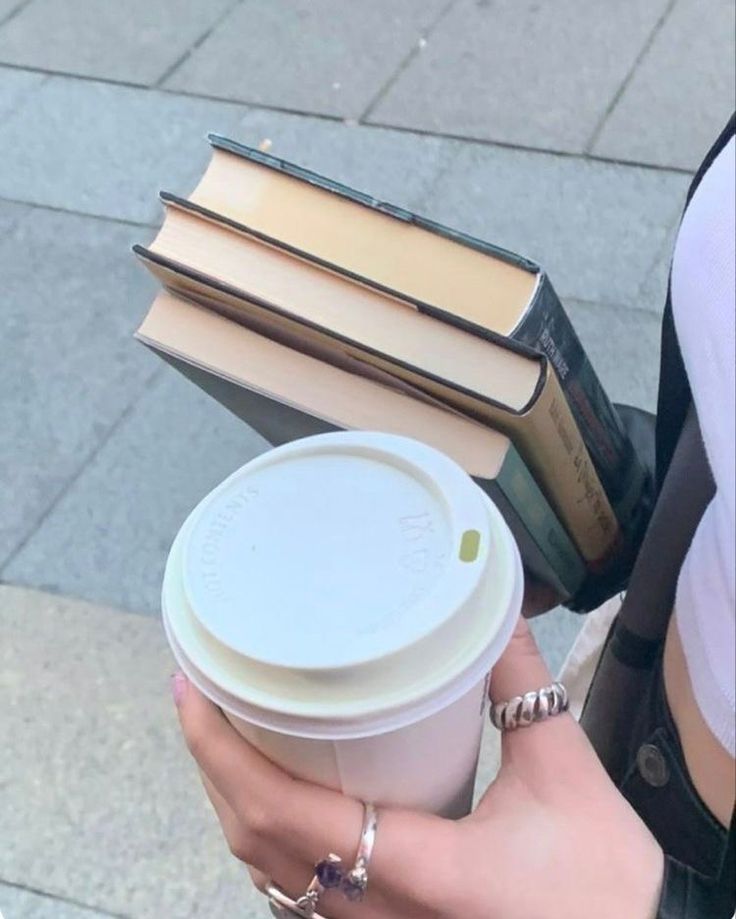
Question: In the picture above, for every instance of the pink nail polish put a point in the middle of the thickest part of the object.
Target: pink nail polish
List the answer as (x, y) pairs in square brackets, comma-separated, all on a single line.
[(178, 687)]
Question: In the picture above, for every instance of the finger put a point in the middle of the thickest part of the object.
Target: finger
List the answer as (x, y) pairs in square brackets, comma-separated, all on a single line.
[(320, 821), (260, 858), (521, 668), (331, 902), (293, 879), (242, 775), (229, 822), (402, 873), (259, 878), (302, 822), (544, 748)]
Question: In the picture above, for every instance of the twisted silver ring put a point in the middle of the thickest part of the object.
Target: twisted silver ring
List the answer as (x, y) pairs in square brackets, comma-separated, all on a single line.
[(522, 711)]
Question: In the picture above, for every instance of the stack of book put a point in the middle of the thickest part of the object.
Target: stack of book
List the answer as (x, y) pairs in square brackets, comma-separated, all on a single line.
[(304, 305)]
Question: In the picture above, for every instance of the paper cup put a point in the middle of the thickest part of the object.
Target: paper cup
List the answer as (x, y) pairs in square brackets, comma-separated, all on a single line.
[(343, 599)]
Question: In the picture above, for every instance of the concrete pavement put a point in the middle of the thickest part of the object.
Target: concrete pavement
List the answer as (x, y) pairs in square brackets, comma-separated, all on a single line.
[(565, 131)]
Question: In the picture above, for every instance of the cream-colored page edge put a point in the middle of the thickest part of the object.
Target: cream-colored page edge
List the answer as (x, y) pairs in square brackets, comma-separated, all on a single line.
[(350, 310), (236, 353), (401, 256)]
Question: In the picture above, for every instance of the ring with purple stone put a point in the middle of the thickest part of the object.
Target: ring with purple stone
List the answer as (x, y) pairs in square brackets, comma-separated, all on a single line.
[(355, 883), (282, 906), (327, 874)]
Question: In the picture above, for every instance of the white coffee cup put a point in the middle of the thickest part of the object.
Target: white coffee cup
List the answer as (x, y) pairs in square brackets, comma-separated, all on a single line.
[(343, 598)]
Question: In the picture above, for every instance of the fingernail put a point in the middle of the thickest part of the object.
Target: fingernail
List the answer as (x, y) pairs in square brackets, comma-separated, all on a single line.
[(178, 687)]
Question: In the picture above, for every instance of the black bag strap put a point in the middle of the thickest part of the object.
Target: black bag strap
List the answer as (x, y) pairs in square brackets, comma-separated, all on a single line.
[(636, 638), (686, 491)]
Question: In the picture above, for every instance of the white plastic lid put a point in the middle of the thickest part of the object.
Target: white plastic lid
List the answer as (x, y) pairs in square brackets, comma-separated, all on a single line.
[(338, 577)]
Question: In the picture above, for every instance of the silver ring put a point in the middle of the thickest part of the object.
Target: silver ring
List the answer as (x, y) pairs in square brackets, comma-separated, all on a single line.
[(355, 882), (282, 906), (329, 874), (522, 711)]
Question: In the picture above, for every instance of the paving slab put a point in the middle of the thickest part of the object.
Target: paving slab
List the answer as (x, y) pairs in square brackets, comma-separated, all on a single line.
[(15, 86), (307, 55), (10, 214), (395, 166), (624, 346), (107, 539), (520, 71), (100, 801), (555, 633), (70, 296), (682, 93), (18, 903), (136, 41), (106, 150), (653, 292), (596, 227), (9, 7)]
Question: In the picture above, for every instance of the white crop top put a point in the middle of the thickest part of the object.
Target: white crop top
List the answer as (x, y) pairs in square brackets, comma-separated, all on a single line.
[(703, 304)]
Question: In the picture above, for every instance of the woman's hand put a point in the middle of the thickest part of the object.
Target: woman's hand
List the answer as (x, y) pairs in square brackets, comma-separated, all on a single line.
[(551, 838)]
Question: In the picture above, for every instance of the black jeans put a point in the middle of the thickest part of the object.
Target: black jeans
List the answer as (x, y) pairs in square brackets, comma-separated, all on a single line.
[(700, 880)]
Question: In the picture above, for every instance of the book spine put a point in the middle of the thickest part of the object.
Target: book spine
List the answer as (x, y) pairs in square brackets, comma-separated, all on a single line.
[(549, 441), (541, 523), (547, 328), (536, 564)]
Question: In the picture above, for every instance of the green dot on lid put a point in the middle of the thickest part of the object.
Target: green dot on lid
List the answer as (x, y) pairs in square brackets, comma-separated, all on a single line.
[(469, 546)]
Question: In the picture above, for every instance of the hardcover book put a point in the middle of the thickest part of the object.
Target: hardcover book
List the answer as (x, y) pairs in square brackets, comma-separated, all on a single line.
[(318, 307)]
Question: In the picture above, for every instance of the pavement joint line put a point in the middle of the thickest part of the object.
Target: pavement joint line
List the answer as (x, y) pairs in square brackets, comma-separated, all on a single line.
[(629, 76), (523, 148), (84, 77), (14, 12), (172, 68), (339, 119), (62, 899), (145, 387), (74, 213), (413, 53)]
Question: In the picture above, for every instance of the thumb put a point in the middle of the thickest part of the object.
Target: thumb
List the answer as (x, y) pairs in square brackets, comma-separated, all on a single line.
[(521, 668), (545, 748)]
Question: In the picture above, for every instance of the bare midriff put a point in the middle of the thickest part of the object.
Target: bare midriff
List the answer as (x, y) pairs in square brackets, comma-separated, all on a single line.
[(712, 769)]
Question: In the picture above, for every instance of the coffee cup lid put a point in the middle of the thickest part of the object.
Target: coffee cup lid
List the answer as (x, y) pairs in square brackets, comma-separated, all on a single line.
[(336, 551), (340, 573)]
